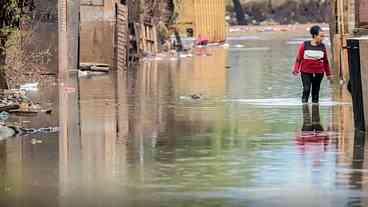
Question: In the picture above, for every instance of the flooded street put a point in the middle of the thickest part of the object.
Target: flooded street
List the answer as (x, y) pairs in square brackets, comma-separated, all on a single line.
[(143, 138)]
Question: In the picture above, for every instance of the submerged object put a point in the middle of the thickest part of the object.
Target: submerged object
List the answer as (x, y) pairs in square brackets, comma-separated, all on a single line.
[(195, 96), (9, 107), (6, 132), (191, 97), (96, 67)]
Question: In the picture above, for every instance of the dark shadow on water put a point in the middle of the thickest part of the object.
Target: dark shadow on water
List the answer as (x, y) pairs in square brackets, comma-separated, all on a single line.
[(358, 163)]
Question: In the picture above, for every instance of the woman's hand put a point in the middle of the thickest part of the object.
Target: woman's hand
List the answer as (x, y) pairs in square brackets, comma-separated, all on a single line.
[(330, 79), (295, 73)]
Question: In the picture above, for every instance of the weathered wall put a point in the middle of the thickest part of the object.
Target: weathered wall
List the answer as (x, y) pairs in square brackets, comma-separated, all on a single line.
[(98, 10), (97, 31), (46, 10)]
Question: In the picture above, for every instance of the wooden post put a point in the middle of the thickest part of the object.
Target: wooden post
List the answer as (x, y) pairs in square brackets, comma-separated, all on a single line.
[(122, 36), (358, 68), (154, 38), (341, 35), (63, 48)]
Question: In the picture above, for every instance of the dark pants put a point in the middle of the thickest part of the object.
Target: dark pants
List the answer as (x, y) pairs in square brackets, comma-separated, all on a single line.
[(311, 82)]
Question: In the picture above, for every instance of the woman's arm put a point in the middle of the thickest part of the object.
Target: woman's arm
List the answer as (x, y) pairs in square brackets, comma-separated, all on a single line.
[(326, 63), (299, 59)]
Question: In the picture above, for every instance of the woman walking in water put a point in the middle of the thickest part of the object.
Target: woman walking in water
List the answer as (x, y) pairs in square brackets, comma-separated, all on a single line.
[(312, 64)]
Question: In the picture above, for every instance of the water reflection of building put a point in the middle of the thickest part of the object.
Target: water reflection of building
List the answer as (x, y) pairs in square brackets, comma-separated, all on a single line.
[(351, 149), (341, 120), (92, 149), (29, 172), (120, 118), (354, 177)]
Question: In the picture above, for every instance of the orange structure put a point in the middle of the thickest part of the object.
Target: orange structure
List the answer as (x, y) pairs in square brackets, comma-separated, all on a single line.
[(205, 17)]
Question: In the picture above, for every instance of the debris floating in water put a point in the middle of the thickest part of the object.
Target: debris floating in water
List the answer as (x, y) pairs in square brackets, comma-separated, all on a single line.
[(191, 97), (36, 141), (29, 87), (4, 115), (94, 67)]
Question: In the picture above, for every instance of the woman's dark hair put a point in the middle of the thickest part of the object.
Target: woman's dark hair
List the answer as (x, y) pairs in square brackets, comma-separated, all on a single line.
[(315, 30)]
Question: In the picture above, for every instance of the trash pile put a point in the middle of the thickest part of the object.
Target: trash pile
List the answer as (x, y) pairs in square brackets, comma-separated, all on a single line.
[(16, 102), (11, 131)]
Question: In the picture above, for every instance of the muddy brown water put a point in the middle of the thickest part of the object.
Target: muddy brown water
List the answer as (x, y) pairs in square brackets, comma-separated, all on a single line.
[(136, 139)]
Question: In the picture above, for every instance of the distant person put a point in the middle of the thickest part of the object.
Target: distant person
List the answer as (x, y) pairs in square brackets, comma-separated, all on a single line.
[(202, 40), (312, 63)]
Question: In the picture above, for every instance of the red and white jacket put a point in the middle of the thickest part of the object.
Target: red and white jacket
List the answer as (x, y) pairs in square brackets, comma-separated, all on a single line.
[(312, 59)]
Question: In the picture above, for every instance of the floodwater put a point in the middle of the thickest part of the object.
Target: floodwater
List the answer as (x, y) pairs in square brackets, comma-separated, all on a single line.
[(137, 138)]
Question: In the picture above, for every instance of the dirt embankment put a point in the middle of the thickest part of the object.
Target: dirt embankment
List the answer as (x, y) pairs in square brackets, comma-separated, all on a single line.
[(31, 51), (284, 12)]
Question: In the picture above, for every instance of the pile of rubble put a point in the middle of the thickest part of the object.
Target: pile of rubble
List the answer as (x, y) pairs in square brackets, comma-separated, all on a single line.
[(16, 101)]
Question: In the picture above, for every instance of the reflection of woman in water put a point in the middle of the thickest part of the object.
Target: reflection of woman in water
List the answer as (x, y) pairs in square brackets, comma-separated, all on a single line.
[(312, 142), (312, 63), (312, 131)]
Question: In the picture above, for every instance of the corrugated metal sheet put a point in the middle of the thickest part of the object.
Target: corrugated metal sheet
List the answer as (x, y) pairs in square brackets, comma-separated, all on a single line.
[(122, 37), (207, 17), (210, 19)]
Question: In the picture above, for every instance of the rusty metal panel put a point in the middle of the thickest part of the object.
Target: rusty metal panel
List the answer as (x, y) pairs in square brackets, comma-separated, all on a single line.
[(122, 36), (362, 13)]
